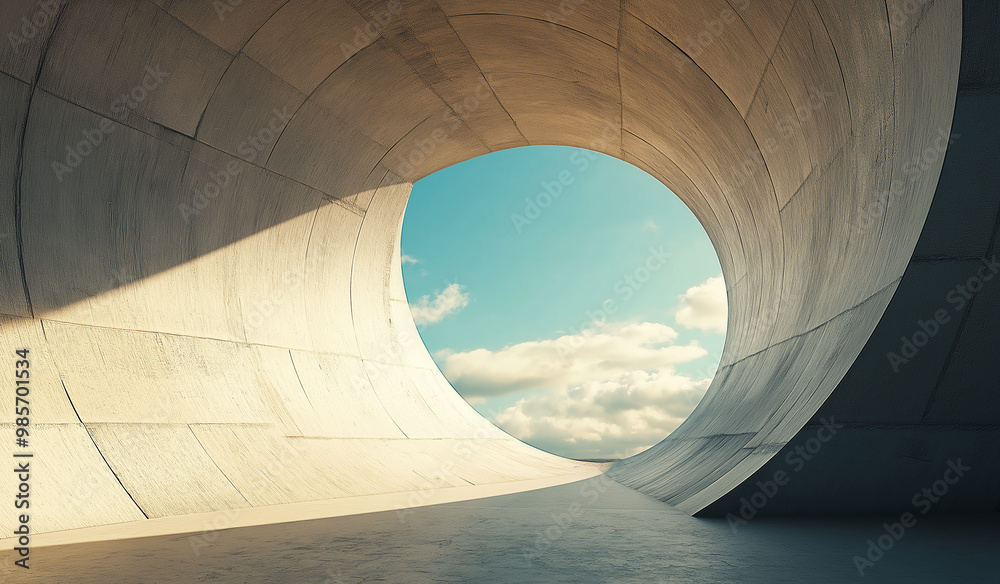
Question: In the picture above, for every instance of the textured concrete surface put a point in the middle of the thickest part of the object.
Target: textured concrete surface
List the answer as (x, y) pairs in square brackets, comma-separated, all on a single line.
[(403, 503), (200, 242), (903, 421), (597, 531)]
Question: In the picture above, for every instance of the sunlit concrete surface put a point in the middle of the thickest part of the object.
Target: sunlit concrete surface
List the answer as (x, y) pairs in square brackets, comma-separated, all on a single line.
[(596, 531), (200, 242), (403, 504)]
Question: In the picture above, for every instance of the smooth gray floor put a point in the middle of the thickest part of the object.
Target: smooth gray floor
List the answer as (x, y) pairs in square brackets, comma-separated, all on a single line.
[(618, 536)]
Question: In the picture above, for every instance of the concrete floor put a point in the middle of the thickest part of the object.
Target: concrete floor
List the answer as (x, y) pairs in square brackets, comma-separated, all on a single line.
[(615, 535)]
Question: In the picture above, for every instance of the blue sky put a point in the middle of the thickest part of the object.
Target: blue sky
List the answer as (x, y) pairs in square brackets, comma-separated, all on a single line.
[(546, 282)]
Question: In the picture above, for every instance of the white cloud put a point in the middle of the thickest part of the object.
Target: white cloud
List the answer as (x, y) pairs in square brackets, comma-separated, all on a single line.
[(591, 355), (408, 259), (605, 419), (427, 311), (608, 392), (649, 225), (704, 306)]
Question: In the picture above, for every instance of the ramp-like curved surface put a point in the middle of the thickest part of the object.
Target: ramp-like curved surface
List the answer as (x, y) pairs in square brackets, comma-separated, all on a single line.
[(204, 205)]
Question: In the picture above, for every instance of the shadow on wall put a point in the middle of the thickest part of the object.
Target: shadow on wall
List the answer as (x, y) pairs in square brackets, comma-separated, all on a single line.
[(134, 205)]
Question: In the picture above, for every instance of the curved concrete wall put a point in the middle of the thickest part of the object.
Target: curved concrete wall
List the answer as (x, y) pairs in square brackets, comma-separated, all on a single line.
[(905, 411), (211, 288)]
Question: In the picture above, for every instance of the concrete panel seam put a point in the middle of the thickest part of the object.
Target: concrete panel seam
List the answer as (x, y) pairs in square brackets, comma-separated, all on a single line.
[(490, 85)]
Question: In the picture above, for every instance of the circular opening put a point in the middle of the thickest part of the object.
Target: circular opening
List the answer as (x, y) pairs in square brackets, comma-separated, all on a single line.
[(568, 296)]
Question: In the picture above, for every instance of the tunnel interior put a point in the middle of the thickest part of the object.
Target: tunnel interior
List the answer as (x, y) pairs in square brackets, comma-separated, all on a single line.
[(204, 212)]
